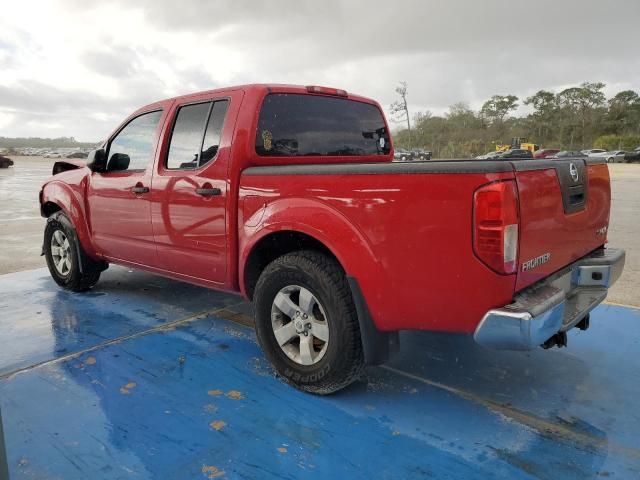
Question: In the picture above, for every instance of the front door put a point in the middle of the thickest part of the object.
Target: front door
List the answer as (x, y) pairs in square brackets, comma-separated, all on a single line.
[(190, 190), (119, 198)]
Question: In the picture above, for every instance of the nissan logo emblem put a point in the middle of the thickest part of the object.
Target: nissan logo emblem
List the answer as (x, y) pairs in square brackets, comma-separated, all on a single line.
[(574, 172)]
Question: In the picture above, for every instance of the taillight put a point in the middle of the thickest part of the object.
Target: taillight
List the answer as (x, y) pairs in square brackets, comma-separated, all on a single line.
[(495, 226)]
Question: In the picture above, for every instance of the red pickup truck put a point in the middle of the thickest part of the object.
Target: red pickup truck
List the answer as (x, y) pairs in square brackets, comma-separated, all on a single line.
[(289, 195)]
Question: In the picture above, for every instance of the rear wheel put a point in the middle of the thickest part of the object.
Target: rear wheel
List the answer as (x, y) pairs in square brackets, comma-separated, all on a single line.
[(307, 324), (68, 263)]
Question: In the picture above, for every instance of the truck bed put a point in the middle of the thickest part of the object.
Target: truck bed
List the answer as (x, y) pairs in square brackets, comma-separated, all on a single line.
[(411, 242)]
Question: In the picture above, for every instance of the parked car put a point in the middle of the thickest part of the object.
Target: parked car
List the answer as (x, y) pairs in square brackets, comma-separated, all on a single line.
[(569, 154), (593, 151), (633, 156), (253, 190), (53, 155), (403, 155), (614, 156), (77, 155), (5, 162), (545, 152), (489, 155), (514, 153), (419, 154)]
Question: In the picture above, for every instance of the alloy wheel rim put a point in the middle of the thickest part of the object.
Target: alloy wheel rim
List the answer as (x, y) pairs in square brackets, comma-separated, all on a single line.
[(61, 253), (300, 325)]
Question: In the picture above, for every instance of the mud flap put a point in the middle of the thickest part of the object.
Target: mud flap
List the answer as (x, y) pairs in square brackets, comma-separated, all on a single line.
[(377, 346)]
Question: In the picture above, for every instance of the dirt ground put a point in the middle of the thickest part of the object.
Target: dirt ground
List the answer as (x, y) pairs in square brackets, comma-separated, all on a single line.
[(21, 226)]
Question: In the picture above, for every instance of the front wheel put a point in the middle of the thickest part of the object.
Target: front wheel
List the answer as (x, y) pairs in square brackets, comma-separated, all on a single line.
[(68, 264), (307, 324)]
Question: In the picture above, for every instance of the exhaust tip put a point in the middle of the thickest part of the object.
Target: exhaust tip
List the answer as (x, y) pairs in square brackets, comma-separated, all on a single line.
[(584, 323), (558, 340)]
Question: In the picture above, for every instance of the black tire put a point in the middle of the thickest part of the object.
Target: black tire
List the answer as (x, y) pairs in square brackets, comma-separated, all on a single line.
[(83, 272), (343, 360)]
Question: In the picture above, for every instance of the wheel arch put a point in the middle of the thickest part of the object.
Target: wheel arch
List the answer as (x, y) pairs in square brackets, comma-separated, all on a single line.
[(294, 224), (49, 208), (57, 196), (273, 245)]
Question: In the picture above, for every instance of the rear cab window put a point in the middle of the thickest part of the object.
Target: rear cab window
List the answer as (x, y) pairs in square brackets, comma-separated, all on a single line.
[(294, 125), (195, 138)]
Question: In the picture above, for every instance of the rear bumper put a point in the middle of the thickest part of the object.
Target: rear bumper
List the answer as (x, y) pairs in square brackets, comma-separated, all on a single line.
[(553, 305)]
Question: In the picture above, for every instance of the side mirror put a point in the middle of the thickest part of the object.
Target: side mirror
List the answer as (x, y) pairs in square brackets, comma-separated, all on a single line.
[(97, 160), (118, 162)]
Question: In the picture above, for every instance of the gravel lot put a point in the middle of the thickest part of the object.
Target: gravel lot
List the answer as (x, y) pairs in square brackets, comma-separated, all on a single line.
[(21, 225)]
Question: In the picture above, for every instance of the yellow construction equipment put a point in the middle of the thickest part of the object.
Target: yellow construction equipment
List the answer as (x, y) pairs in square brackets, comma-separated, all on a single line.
[(517, 142)]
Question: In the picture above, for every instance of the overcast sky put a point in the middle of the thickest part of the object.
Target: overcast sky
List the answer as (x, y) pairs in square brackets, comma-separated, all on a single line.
[(69, 69)]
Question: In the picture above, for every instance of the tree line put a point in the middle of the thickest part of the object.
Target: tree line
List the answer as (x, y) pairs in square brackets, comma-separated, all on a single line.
[(574, 119)]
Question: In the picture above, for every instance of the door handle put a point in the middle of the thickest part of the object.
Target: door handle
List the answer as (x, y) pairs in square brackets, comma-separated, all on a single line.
[(140, 189), (208, 192)]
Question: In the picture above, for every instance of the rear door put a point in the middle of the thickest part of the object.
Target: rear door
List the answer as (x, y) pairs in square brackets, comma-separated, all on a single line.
[(564, 213), (189, 210)]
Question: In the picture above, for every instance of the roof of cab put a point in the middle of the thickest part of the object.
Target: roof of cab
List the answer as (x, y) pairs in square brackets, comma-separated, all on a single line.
[(257, 88)]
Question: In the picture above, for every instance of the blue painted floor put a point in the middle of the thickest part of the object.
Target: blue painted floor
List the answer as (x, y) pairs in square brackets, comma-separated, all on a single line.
[(148, 378)]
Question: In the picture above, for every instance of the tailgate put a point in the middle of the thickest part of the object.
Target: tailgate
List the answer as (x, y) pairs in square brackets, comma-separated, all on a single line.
[(564, 213)]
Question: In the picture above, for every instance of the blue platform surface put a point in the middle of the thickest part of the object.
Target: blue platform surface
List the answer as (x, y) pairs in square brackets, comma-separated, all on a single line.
[(147, 378)]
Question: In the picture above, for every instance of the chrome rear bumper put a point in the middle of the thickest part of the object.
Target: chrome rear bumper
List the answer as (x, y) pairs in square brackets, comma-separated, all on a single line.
[(553, 305)]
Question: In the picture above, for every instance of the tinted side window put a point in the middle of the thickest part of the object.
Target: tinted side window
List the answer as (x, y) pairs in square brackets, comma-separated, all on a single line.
[(214, 131), (297, 125), (186, 139), (131, 149)]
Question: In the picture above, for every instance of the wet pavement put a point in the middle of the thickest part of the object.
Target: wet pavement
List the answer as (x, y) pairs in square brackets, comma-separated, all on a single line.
[(144, 377), (21, 226)]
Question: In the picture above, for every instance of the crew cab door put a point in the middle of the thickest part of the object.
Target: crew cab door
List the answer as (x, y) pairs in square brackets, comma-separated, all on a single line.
[(190, 193), (119, 198)]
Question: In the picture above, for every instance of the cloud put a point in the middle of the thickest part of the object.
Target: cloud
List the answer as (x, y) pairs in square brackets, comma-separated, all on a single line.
[(5, 119), (90, 64), (115, 63)]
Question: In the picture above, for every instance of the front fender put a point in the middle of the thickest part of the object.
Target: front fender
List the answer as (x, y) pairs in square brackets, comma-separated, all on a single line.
[(319, 221), (64, 196)]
